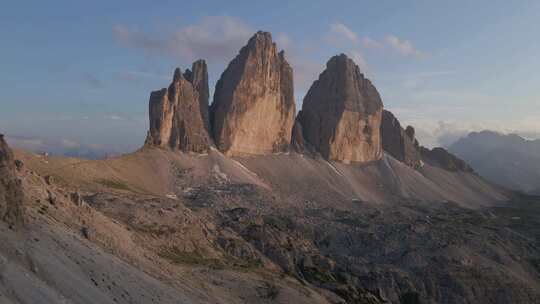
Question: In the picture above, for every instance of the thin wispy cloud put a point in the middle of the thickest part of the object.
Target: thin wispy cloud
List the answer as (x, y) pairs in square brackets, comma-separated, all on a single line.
[(341, 36), (213, 38), (339, 31), (404, 47), (369, 43)]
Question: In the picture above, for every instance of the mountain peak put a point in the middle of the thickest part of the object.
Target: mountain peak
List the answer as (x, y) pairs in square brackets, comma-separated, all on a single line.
[(341, 113), (253, 108), (179, 115)]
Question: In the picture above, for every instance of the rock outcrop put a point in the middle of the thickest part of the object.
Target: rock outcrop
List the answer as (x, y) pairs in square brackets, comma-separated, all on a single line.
[(297, 138), (11, 193), (341, 114), (400, 143), (253, 109), (179, 114), (198, 76), (441, 158)]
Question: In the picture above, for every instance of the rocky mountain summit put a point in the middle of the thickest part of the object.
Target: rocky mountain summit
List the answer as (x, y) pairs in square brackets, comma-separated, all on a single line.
[(253, 109), (11, 192), (179, 114), (506, 159), (253, 113), (341, 114)]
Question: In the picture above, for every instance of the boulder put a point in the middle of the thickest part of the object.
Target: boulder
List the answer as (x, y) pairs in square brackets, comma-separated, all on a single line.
[(253, 109), (178, 115), (341, 114), (398, 142), (11, 192)]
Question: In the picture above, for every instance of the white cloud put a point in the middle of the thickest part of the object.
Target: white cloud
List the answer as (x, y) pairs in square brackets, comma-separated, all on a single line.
[(213, 38), (341, 31), (404, 47), (435, 128), (370, 43), (342, 37)]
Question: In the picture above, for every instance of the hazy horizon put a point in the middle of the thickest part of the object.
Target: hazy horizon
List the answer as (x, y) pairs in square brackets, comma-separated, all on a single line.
[(81, 75)]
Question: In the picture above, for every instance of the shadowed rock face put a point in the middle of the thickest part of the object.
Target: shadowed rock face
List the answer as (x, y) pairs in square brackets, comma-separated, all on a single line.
[(179, 114), (297, 139), (341, 114), (399, 143), (11, 194), (253, 109), (198, 76), (444, 159)]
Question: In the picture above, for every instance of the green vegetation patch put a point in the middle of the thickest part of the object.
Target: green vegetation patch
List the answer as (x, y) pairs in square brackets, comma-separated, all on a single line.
[(113, 184)]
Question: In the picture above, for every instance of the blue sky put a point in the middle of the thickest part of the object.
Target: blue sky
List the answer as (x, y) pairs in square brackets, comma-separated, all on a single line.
[(81, 72)]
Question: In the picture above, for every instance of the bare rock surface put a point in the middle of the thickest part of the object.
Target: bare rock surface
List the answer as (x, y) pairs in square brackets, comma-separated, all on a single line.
[(253, 109), (281, 228), (341, 114), (198, 76), (398, 142), (440, 157), (11, 192), (179, 114)]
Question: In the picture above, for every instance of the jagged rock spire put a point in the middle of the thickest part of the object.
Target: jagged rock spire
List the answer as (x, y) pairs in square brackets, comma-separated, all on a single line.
[(398, 142), (341, 114), (253, 109), (179, 114)]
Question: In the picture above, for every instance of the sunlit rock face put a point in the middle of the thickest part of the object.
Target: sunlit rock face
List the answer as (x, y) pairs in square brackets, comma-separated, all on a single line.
[(179, 114), (341, 114), (253, 110)]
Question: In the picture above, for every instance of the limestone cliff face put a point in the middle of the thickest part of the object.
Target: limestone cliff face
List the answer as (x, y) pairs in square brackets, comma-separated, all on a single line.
[(398, 142), (198, 76), (11, 193), (341, 114), (253, 109), (179, 114)]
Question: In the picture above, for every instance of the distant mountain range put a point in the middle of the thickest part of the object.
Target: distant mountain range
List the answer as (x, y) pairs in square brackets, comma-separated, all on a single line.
[(508, 160), (62, 147)]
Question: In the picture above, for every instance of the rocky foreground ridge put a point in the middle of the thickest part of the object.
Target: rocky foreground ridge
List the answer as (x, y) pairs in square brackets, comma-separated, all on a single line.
[(11, 192), (253, 113)]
